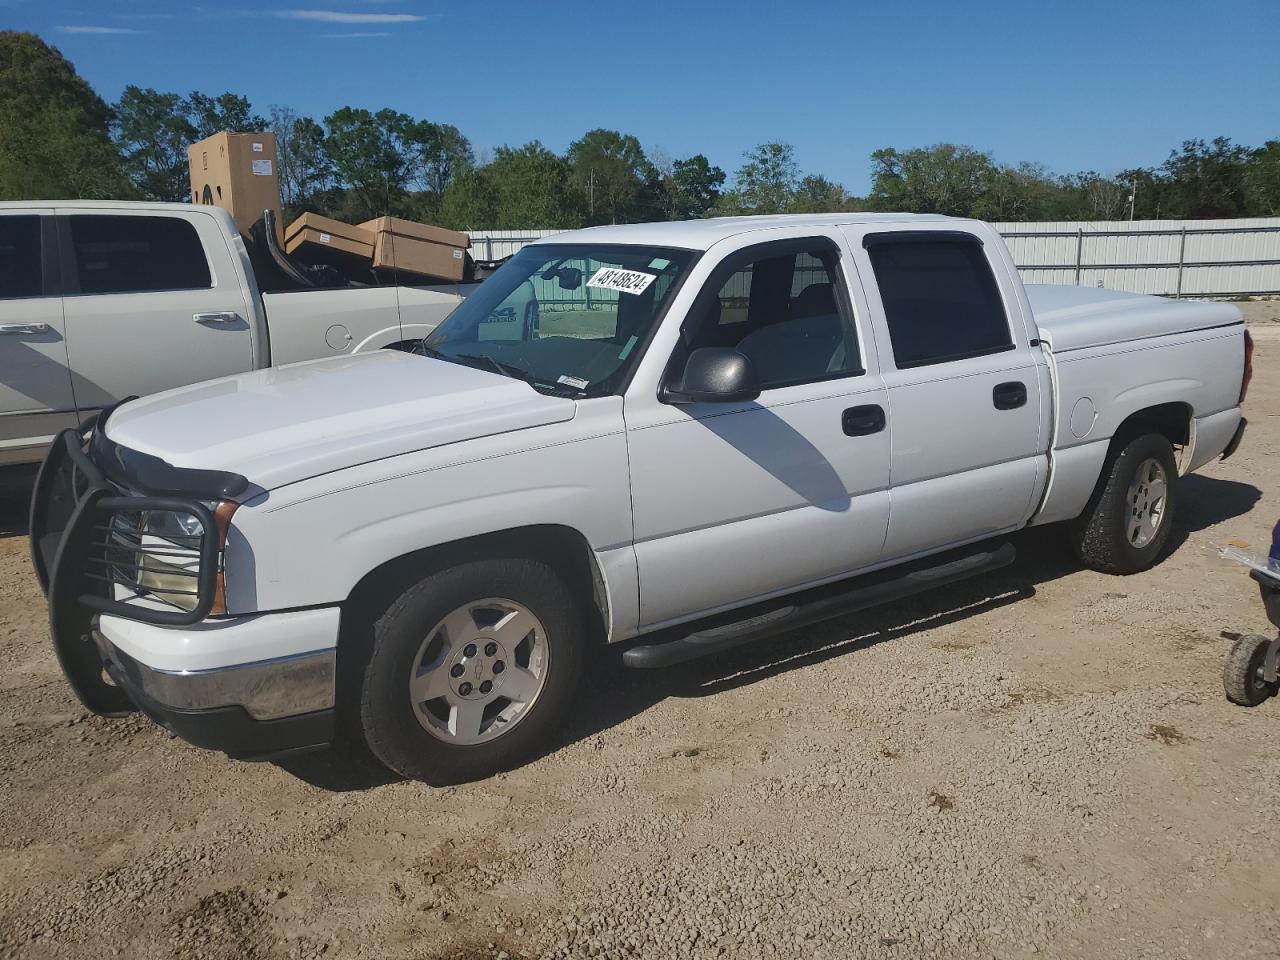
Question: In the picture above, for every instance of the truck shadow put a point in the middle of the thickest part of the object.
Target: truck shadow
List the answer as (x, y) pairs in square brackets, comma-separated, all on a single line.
[(614, 694), (15, 499)]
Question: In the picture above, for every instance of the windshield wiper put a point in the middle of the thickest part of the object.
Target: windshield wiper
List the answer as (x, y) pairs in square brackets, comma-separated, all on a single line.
[(506, 369)]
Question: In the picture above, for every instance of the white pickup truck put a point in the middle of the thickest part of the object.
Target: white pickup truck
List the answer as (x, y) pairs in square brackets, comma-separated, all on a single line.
[(104, 300), (726, 428)]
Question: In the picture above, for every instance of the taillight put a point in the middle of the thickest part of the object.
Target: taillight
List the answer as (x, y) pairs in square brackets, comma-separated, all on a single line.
[(1248, 365)]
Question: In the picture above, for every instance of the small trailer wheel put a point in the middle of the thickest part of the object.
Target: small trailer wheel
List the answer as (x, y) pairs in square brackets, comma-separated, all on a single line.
[(1242, 677)]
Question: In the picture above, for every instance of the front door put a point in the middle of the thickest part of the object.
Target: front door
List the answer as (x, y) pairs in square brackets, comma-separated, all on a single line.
[(35, 387), (153, 301), (739, 501)]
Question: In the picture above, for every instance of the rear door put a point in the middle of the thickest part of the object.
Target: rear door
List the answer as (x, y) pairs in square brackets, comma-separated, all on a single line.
[(964, 386), (153, 301), (35, 386)]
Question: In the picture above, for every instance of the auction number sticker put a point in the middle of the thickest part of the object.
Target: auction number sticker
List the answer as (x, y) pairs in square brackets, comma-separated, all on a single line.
[(624, 281)]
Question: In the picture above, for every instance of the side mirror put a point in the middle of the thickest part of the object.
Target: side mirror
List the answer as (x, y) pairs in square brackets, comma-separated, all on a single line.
[(714, 375)]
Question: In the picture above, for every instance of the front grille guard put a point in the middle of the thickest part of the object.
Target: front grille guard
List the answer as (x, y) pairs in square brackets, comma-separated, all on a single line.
[(84, 544)]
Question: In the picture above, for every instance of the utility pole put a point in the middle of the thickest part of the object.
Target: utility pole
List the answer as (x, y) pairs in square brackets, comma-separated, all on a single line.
[(1133, 193), (591, 192)]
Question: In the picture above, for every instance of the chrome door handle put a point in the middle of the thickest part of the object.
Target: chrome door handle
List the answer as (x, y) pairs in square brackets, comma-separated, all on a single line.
[(222, 316), (20, 328)]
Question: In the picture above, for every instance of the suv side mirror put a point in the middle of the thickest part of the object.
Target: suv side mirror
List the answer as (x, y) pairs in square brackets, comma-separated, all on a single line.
[(714, 375)]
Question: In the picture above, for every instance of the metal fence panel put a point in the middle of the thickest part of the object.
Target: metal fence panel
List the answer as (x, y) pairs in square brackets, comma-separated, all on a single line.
[(1196, 258)]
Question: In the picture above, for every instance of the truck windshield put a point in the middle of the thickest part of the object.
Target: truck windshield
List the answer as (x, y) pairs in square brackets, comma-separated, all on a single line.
[(568, 319)]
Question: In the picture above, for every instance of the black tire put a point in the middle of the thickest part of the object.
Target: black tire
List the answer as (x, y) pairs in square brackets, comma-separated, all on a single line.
[(1242, 675), (1099, 536), (390, 726)]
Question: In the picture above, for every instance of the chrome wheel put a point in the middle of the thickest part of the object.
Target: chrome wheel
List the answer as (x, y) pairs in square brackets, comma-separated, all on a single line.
[(1145, 502), (478, 671)]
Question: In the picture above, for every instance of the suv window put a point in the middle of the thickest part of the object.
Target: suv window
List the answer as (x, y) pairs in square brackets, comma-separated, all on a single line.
[(136, 254), (940, 299), (778, 305), (20, 257)]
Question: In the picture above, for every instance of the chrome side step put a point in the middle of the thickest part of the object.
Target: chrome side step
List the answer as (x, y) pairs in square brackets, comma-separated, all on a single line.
[(790, 616)]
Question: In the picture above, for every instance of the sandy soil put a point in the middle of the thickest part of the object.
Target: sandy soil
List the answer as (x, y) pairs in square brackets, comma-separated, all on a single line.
[(1040, 763)]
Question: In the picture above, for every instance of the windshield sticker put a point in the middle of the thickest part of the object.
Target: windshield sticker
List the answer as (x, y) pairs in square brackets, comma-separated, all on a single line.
[(627, 349), (624, 281), (657, 263), (576, 382)]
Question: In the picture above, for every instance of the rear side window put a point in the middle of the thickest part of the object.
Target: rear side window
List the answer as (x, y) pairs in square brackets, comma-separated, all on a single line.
[(136, 254), (20, 257), (940, 299)]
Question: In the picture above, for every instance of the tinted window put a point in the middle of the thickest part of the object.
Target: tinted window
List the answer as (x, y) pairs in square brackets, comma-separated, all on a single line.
[(134, 254), (20, 257), (781, 310), (940, 300)]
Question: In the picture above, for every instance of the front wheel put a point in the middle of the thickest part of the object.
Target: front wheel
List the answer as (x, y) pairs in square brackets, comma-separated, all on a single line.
[(1242, 677), (1128, 520), (472, 670)]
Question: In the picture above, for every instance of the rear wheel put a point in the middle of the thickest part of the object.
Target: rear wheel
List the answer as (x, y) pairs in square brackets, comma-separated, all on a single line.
[(1128, 520), (472, 670)]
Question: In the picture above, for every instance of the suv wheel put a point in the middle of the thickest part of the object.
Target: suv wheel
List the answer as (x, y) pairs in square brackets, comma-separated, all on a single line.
[(472, 670)]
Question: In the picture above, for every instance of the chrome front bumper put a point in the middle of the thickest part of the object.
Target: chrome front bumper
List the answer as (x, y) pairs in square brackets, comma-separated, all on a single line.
[(266, 690)]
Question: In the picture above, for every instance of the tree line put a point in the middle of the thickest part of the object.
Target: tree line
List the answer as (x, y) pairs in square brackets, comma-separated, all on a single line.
[(60, 139)]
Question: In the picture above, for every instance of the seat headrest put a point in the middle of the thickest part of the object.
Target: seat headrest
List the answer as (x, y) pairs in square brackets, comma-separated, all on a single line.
[(815, 300)]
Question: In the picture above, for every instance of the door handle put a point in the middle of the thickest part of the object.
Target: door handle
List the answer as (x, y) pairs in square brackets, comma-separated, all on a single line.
[(216, 319), (861, 421), (1009, 396), (21, 328)]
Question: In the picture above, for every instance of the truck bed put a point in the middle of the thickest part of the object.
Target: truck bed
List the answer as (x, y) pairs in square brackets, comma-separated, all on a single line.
[(1079, 317)]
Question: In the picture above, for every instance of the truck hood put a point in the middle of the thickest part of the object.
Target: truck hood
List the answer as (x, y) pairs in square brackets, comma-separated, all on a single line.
[(285, 424)]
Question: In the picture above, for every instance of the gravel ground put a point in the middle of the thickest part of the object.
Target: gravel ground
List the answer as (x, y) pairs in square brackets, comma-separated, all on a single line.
[(1039, 763)]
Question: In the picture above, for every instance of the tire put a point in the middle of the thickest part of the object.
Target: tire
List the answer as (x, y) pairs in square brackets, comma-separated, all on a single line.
[(530, 319), (452, 633), (1242, 675), (1123, 529)]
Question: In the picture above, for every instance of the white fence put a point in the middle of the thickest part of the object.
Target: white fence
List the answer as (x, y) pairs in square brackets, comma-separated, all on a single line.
[(1187, 258)]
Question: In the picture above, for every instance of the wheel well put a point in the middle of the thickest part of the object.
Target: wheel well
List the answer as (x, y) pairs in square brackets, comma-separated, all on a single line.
[(563, 548), (1172, 420)]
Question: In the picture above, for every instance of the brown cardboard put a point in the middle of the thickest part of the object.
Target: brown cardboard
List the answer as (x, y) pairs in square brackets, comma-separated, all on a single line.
[(416, 248), (323, 240), (237, 171)]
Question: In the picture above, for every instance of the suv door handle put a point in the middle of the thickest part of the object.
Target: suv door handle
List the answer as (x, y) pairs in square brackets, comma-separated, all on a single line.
[(218, 318), (861, 421), (20, 328), (1009, 396)]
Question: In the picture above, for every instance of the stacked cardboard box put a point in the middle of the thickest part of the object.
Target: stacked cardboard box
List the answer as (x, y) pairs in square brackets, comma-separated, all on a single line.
[(318, 239), (415, 248), (236, 171)]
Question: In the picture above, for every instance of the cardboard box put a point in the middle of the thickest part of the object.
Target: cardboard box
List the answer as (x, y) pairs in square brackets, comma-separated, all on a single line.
[(408, 247), (237, 171), (318, 239)]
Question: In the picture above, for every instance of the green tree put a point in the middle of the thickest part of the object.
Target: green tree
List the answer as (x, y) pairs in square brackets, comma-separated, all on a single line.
[(766, 182), (371, 156), (816, 194), (945, 178), (54, 140), (524, 187), (153, 132), (227, 111), (439, 153), (1205, 179), (1262, 180), (691, 188), (304, 168), (611, 171)]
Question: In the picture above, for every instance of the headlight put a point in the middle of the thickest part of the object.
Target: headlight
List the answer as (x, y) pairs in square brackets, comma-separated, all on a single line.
[(169, 558)]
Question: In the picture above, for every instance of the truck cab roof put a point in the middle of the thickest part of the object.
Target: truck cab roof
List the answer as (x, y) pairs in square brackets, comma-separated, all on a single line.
[(703, 234)]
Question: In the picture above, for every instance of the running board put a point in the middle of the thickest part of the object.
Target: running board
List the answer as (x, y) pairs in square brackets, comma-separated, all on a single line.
[(716, 639)]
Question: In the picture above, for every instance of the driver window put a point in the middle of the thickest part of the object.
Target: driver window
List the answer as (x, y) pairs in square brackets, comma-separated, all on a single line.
[(779, 307)]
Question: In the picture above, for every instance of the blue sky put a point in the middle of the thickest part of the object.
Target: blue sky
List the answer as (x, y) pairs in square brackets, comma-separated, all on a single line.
[(1074, 86)]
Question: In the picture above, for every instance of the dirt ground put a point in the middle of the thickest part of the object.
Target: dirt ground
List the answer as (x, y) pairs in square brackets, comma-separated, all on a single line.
[(1039, 763)]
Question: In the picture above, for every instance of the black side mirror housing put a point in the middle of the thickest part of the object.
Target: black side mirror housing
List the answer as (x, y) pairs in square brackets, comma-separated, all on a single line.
[(714, 375)]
